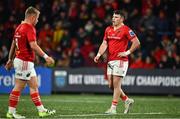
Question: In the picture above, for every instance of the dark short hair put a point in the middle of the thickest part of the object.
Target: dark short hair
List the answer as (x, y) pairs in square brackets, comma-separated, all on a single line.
[(119, 12), (31, 11)]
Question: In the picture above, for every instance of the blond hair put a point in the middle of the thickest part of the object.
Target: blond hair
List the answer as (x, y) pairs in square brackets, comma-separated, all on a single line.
[(31, 11)]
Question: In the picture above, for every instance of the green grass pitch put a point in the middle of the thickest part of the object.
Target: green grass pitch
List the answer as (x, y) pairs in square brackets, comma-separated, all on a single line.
[(94, 106)]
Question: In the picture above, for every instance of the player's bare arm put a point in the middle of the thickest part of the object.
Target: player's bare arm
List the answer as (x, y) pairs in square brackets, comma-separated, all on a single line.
[(135, 44), (41, 53), (101, 51), (11, 56)]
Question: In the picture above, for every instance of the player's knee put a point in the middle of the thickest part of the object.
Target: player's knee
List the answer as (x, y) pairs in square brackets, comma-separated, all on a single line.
[(33, 87)]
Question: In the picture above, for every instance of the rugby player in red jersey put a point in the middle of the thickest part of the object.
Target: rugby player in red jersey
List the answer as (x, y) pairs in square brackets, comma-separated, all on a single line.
[(22, 55), (115, 41)]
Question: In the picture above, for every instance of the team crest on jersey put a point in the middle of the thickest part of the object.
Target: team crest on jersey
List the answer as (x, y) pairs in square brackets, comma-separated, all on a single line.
[(131, 33)]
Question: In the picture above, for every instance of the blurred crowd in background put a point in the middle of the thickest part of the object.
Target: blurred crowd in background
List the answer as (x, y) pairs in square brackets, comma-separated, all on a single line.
[(71, 31)]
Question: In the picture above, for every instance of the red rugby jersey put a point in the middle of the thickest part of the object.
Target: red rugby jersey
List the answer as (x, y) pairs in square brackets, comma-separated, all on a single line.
[(24, 34), (118, 41)]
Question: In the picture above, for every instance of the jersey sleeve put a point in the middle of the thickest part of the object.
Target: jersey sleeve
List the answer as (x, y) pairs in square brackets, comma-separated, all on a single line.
[(130, 34), (31, 34)]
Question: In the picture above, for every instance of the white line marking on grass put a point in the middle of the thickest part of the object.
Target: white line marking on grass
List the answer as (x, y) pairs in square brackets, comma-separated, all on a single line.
[(63, 101), (88, 101), (147, 113), (89, 115), (158, 99), (74, 101)]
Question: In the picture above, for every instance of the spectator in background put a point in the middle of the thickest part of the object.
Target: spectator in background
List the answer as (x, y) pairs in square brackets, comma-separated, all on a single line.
[(76, 59), (177, 19), (66, 39), (2, 59), (86, 51), (158, 53), (177, 62), (72, 14), (149, 64), (64, 60), (163, 63), (45, 36), (99, 10), (5, 51), (148, 20), (81, 35), (176, 40), (84, 14), (57, 34), (162, 23), (137, 62)]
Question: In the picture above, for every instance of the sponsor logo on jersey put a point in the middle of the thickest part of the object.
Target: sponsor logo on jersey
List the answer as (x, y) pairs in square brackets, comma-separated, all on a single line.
[(113, 37)]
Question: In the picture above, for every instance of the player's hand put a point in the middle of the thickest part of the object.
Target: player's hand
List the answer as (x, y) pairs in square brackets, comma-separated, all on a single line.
[(96, 59), (50, 61), (124, 54), (9, 65)]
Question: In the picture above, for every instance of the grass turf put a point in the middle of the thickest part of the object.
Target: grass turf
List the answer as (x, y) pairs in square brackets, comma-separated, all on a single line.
[(94, 106)]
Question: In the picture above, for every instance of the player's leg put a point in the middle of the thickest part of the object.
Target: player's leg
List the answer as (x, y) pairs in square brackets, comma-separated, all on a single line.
[(123, 97), (111, 85), (127, 101), (116, 94), (33, 84), (112, 109), (19, 67), (14, 99)]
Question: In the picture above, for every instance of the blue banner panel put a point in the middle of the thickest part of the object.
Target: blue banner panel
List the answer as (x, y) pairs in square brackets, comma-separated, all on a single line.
[(44, 80)]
